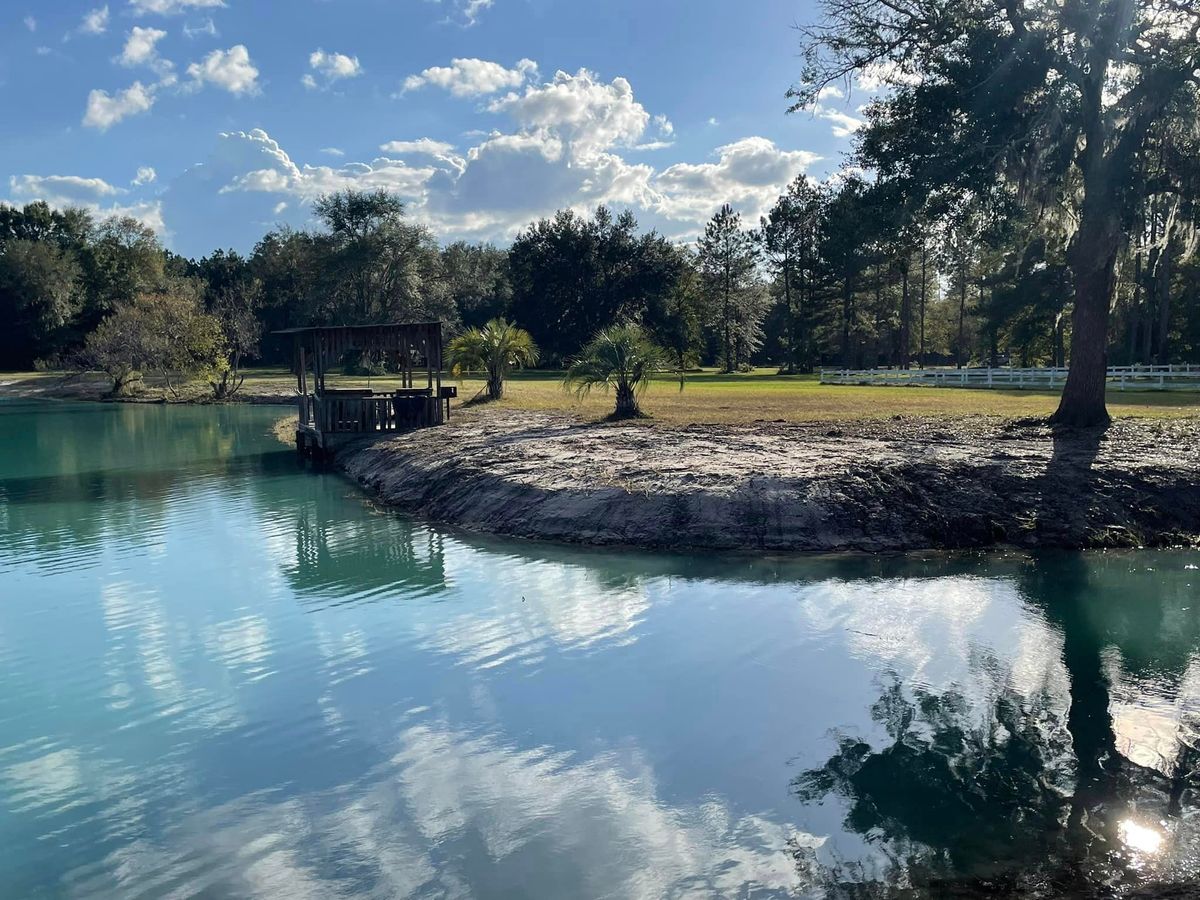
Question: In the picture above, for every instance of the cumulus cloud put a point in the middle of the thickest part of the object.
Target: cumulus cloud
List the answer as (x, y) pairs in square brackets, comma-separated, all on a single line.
[(60, 189), (473, 77), (591, 114), (562, 144), (748, 174), (231, 70), (105, 110), (330, 67), (170, 7), (236, 191), (93, 194), (141, 47), (843, 124), (145, 175), (95, 21), (422, 145)]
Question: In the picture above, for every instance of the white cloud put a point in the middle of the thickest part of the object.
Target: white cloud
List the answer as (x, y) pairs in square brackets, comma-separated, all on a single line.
[(170, 7), (843, 124), (145, 175), (333, 151), (591, 114), (30, 23), (473, 8), (61, 191), (878, 76), (232, 70), (331, 67), (95, 22), (105, 110), (713, 121), (422, 145), (473, 77), (205, 28), (248, 174), (748, 174), (465, 12), (140, 47), (563, 148), (439, 152)]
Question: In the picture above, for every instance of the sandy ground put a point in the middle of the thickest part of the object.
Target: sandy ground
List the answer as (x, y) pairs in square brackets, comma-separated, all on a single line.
[(901, 484)]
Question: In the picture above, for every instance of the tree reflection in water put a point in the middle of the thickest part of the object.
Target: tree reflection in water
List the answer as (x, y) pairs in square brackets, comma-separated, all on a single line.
[(1024, 796)]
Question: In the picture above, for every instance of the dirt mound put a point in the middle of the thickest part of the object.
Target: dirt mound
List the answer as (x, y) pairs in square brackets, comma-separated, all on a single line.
[(901, 484)]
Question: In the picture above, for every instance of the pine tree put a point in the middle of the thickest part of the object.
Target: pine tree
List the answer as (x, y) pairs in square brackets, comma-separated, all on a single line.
[(728, 261)]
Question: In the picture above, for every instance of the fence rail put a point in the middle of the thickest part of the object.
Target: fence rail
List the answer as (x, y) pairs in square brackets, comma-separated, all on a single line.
[(1134, 378)]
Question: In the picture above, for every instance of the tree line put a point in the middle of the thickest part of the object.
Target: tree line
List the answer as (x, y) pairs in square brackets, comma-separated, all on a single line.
[(836, 274)]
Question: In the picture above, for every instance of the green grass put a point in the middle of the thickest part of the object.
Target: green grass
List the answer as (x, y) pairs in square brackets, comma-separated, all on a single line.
[(709, 396)]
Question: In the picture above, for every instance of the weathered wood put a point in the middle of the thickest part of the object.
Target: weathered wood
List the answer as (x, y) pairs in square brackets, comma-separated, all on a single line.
[(326, 411)]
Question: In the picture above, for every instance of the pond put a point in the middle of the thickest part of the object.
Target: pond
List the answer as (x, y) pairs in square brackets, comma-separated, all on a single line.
[(224, 674)]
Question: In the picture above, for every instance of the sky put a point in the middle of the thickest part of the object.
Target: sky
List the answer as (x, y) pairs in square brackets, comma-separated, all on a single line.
[(214, 121)]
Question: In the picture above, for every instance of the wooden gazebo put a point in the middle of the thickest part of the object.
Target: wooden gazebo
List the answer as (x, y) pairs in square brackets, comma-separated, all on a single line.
[(411, 354)]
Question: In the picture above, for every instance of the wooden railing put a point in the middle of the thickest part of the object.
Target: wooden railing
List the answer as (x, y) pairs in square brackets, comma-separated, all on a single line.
[(357, 412), (1170, 377)]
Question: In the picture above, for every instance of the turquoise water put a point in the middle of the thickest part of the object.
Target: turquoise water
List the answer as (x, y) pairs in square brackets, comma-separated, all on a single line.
[(226, 676)]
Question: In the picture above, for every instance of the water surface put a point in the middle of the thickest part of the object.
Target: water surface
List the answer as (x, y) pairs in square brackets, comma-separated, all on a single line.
[(224, 675)]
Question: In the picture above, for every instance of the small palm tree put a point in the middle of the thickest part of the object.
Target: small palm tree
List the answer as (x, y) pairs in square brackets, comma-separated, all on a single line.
[(622, 358), (497, 348)]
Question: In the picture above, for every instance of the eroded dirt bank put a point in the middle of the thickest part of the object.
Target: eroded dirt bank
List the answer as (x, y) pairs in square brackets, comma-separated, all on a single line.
[(892, 485)]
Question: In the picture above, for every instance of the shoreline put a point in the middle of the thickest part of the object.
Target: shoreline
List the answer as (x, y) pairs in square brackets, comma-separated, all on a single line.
[(93, 391), (896, 485), (899, 485)]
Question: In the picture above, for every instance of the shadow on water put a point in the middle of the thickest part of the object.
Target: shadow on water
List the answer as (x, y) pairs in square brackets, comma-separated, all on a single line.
[(1026, 797)]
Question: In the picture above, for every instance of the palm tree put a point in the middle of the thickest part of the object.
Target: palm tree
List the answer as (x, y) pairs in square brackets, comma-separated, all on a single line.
[(497, 348), (621, 357)]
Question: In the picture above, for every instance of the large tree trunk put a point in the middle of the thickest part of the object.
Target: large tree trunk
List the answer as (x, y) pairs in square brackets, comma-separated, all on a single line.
[(1093, 260)]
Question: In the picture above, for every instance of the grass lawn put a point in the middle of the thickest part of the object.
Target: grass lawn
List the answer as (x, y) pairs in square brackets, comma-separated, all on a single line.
[(712, 397)]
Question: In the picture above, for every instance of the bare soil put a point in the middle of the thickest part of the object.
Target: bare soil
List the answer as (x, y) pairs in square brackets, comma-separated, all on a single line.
[(891, 485)]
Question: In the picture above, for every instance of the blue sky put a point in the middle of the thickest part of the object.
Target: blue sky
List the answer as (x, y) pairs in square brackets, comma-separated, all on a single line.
[(213, 121)]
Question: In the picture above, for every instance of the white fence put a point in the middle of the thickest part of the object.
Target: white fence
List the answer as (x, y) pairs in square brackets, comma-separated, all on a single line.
[(1133, 378)]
